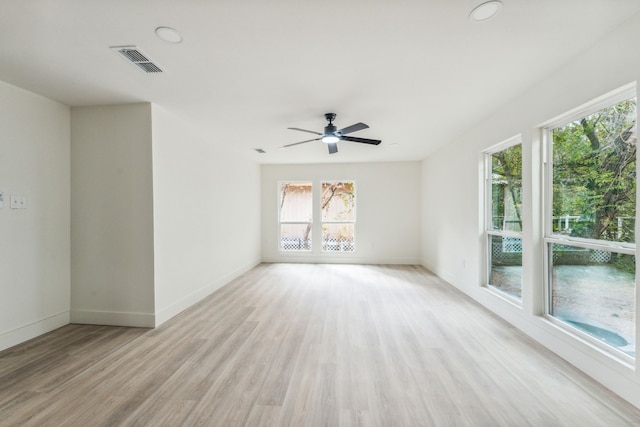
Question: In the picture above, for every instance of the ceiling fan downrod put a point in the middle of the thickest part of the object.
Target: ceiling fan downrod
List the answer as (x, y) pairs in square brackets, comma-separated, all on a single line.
[(330, 128)]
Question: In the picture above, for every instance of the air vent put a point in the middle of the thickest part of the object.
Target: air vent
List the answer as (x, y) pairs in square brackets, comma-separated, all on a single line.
[(133, 54), (149, 67)]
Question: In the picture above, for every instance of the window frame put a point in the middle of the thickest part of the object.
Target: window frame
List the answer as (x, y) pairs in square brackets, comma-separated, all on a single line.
[(549, 238), (353, 222), (280, 222), (489, 231), (591, 108)]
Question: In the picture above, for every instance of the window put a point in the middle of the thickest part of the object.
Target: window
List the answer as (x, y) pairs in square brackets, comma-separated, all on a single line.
[(590, 223), (338, 204), (296, 216), (503, 203)]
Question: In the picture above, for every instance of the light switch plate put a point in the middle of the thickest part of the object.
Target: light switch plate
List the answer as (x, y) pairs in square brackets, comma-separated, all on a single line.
[(18, 202)]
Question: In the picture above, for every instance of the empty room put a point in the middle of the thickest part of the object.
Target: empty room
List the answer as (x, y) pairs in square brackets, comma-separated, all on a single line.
[(244, 213)]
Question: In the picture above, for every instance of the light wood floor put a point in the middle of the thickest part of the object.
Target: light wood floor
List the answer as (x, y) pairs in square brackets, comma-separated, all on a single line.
[(306, 345)]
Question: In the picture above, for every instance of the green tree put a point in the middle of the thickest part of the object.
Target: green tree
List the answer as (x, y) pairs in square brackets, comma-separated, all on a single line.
[(506, 170), (594, 173)]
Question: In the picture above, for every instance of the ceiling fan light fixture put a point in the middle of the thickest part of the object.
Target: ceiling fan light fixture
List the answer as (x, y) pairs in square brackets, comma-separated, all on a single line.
[(485, 11), (328, 139)]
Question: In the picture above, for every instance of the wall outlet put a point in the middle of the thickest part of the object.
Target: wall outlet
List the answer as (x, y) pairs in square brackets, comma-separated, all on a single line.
[(18, 202)]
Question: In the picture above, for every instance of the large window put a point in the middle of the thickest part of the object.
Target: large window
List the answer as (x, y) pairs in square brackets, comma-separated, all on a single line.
[(296, 216), (338, 216), (503, 203), (590, 223), (337, 206)]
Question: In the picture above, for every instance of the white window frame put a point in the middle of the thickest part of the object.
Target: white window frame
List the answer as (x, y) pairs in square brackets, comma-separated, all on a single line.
[(355, 215), (488, 215), (280, 222), (549, 238)]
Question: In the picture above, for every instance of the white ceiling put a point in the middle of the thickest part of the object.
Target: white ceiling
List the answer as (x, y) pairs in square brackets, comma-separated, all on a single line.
[(418, 72)]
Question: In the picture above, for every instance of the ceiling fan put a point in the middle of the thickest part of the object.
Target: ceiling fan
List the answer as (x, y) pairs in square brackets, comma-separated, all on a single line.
[(332, 134)]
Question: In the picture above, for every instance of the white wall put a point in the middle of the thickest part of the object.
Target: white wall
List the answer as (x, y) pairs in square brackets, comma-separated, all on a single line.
[(34, 243), (451, 222), (387, 209), (112, 215), (206, 214)]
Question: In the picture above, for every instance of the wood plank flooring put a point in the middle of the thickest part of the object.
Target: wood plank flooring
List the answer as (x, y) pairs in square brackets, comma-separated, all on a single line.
[(306, 345)]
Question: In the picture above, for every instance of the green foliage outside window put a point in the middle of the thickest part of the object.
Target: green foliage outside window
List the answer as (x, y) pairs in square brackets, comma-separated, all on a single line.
[(594, 175), (506, 189)]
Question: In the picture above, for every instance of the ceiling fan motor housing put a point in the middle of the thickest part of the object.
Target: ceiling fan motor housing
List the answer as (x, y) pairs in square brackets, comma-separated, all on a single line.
[(329, 129)]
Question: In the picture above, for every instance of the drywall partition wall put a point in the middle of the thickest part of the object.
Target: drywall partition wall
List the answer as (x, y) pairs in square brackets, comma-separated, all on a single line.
[(206, 214), (112, 215), (387, 210), (34, 248), (452, 243)]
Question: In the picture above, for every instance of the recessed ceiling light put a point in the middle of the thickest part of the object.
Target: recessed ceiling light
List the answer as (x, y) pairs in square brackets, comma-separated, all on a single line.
[(168, 34), (485, 11)]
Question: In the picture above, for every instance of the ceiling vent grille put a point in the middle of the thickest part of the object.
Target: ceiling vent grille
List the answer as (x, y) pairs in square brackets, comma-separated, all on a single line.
[(133, 54)]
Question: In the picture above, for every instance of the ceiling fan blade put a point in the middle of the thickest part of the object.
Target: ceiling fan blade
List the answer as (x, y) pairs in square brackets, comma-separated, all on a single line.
[(353, 128), (333, 147), (304, 130), (363, 140), (301, 142)]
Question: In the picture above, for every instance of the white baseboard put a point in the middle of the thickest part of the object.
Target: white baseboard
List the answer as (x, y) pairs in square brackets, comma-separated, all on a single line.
[(32, 330), (310, 259), (113, 318), (166, 313)]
